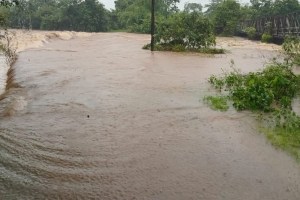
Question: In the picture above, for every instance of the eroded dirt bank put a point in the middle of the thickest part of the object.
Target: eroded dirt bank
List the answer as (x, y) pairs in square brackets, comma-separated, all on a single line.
[(99, 118)]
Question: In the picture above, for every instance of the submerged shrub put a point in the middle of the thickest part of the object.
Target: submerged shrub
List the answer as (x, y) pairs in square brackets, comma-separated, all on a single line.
[(272, 88), (217, 103), (266, 38), (291, 47), (251, 32), (191, 30)]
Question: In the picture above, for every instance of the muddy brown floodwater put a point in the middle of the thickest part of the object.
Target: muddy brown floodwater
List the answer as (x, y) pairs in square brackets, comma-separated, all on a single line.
[(100, 118)]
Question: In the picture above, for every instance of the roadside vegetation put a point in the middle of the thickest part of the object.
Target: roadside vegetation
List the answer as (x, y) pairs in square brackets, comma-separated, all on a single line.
[(270, 93)]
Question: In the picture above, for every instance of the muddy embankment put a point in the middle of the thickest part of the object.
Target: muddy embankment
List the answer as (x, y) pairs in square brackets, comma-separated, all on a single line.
[(99, 118)]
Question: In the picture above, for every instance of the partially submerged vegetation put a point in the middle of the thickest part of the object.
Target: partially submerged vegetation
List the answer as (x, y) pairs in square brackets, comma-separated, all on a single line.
[(282, 128), (185, 32), (269, 92), (182, 48), (291, 47), (217, 102)]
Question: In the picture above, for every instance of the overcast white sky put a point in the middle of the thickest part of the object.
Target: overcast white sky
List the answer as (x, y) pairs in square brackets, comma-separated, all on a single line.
[(109, 4)]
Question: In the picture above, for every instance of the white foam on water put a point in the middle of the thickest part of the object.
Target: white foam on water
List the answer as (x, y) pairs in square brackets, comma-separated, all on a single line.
[(3, 73), (22, 40)]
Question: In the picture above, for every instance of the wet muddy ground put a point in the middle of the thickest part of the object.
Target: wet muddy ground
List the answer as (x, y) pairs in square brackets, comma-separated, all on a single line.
[(100, 118)]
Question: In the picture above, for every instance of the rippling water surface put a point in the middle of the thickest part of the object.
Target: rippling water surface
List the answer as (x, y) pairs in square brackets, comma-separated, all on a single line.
[(99, 118)]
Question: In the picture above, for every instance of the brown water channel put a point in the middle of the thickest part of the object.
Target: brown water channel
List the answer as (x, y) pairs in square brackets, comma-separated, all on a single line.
[(100, 118)]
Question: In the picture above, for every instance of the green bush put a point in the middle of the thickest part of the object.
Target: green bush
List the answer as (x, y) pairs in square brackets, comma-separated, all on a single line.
[(190, 30), (251, 32), (272, 88), (266, 38), (291, 47)]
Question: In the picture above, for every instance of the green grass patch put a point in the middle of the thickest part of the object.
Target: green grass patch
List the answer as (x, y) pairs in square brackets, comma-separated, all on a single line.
[(287, 140), (283, 131), (217, 102)]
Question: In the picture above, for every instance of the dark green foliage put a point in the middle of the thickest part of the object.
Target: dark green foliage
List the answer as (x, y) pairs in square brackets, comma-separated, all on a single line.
[(264, 8), (225, 16), (134, 15), (3, 17), (283, 7), (4, 11), (88, 15), (273, 88), (8, 3), (184, 30), (251, 32), (266, 38)]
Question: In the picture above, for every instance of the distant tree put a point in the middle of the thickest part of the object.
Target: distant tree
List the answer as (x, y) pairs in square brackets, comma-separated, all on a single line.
[(262, 8), (282, 7), (192, 7), (76, 15), (4, 12), (134, 15), (225, 15), (212, 6), (8, 2)]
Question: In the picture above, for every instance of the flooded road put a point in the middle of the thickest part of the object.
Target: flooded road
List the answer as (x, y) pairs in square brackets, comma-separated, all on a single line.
[(100, 118)]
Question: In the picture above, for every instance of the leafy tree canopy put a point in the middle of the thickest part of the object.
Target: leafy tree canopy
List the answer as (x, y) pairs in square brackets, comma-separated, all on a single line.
[(193, 7), (134, 15), (77, 15), (8, 2), (225, 15)]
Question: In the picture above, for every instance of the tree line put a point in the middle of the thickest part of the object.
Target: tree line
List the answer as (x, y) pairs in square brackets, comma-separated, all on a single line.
[(133, 15)]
